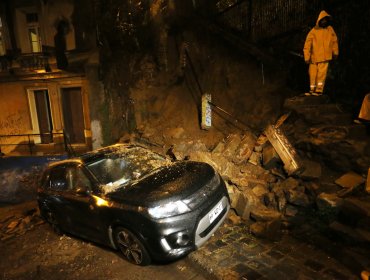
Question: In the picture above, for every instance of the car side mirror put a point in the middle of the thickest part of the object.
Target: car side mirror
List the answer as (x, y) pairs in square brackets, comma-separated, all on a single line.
[(82, 191)]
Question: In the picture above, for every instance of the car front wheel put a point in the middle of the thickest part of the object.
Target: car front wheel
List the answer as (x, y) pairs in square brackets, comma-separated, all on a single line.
[(131, 247)]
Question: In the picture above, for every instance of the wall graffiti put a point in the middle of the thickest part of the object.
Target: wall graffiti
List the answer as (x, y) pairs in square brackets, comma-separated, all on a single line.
[(13, 123)]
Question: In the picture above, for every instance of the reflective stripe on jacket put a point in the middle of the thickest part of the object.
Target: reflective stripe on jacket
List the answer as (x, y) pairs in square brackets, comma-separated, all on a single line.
[(321, 43)]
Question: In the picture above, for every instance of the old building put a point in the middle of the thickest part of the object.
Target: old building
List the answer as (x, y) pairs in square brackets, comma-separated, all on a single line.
[(44, 89)]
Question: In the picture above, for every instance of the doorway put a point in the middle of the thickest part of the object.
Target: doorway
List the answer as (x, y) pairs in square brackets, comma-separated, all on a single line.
[(73, 117), (42, 122)]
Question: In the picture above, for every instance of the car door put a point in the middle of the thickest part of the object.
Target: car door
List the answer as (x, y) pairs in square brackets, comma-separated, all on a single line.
[(79, 205)]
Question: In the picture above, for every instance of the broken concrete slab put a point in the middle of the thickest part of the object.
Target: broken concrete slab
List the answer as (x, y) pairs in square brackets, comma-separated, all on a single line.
[(312, 170), (260, 190), (255, 158), (245, 148), (252, 170), (220, 147), (326, 201), (270, 158), (244, 202), (297, 198), (270, 229), (285, 150), (350, 180), (232, 142), (264, 214)]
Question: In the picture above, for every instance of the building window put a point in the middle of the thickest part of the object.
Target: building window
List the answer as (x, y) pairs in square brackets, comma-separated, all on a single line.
[(34, 32)]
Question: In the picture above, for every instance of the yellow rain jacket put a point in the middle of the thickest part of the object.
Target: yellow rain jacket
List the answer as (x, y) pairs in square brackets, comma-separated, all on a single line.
[(321, 43)]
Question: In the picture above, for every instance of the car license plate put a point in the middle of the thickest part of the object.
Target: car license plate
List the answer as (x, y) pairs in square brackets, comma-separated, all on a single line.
[(215, 212)]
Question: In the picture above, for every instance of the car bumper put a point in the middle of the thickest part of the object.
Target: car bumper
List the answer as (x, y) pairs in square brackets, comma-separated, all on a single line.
[(178, 236)]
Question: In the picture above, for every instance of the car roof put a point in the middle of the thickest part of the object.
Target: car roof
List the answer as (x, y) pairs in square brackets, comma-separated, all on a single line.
[(92, 155)]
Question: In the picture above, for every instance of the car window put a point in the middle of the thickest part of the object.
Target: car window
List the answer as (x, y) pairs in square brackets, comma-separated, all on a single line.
[(57, 179), (118, 168), (76, 178)]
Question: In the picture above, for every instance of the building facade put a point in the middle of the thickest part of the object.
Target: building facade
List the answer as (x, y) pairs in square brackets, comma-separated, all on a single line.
[(44, 107)]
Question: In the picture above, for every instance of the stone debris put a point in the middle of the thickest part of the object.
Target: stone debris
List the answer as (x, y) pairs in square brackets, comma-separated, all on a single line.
[(285, 150), (270, 229), (312, 170), (326, 201), (350, 180), (270, 157), (18, 224), (245, 148)]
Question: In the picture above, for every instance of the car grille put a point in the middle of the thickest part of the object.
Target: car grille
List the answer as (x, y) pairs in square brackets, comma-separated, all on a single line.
[(201, 195)]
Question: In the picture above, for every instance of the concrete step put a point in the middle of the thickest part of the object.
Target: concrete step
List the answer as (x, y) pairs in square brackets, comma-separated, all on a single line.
[(350, 131), (302, 100), (350, 234)]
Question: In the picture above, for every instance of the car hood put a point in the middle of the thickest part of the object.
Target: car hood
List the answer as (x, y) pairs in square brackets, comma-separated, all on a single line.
[(165, 184)]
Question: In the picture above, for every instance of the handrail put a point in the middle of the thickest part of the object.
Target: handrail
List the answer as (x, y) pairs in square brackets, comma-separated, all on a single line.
[(192, 68), (31, 134), (31, 144)]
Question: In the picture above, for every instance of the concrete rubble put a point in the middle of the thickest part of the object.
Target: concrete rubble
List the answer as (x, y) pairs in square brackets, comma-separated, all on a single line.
[(274, 176), (17, 222)]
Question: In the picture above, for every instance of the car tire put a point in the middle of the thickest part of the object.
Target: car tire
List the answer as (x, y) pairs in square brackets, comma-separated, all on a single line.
[(50, 218), (131, 247)]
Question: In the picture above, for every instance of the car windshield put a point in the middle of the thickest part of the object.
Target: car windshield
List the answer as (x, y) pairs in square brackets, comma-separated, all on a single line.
[(118, 168)]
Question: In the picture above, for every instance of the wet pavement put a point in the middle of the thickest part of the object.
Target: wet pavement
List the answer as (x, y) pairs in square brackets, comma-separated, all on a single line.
[(306, 252)]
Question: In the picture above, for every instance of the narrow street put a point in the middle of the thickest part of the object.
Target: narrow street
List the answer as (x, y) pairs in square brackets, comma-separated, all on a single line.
[(30, 249), (40, 253)]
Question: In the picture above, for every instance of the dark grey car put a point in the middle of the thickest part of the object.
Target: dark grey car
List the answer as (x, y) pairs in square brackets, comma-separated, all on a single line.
[(135, 200)]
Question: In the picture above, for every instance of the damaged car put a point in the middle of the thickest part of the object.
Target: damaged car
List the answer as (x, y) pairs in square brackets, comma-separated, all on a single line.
[(134, 200)]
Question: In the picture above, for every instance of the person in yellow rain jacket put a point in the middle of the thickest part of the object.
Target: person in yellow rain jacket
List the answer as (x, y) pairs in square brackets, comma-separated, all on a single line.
[(321, 46), (364, 115)]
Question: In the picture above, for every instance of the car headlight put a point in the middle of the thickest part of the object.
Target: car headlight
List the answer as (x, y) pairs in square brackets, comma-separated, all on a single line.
[(168, 210)]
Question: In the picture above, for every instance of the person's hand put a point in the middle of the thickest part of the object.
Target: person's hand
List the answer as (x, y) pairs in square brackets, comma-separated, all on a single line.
[(307, 61)]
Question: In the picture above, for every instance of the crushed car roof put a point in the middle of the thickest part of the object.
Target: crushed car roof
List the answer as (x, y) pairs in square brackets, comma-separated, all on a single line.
[(90, 156)]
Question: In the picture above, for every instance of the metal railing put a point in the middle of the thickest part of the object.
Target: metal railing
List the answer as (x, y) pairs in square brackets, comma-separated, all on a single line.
[(257, 20), (33, 141), (27, 61)]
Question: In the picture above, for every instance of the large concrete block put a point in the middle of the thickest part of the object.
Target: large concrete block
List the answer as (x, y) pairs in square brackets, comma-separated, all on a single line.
[(270, 157), (245, 148), (285, 150), (326, 201), (312, 169), (231, 144), (350, 180)]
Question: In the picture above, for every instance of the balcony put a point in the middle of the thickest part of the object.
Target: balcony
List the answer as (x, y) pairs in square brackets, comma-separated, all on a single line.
[(40, 64)]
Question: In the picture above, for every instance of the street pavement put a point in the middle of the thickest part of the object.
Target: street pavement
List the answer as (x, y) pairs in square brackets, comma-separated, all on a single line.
[(302, 253)]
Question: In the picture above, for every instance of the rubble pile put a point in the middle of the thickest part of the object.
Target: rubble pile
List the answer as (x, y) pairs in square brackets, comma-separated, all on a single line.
[(271, 177), (262, 193), (15, 224), (17, 185)]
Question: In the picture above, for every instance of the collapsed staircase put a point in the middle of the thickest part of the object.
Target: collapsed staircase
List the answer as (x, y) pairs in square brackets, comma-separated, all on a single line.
[(323, 131)]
